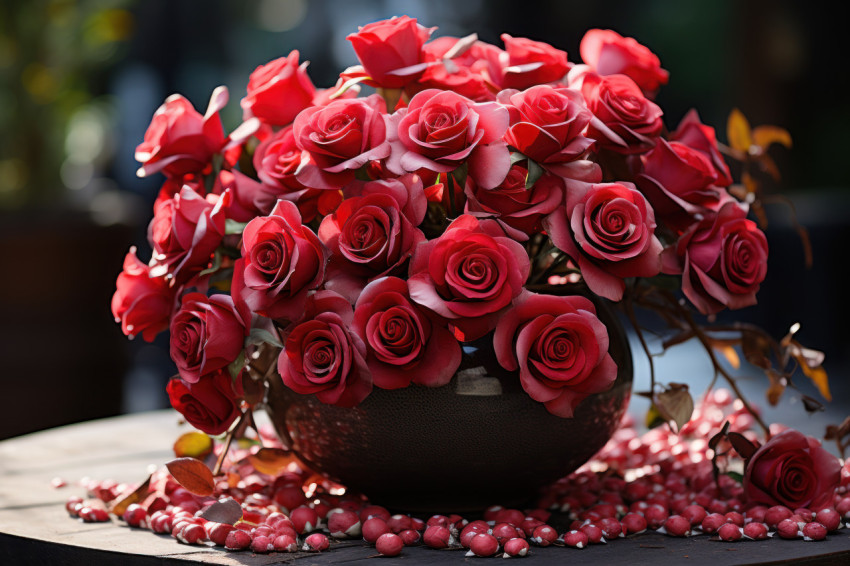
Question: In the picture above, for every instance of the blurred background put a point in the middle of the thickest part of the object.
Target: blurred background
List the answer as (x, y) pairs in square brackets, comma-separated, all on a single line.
[(80, 80)]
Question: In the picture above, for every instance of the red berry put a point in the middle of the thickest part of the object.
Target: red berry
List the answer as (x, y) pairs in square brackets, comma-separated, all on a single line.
[(373, 528), (633, 523), (576, 539), (712, 523), (735, 518), (729, 532), (409, 537), (755, 531), (316, 542), (344, 524), (757, 513), (237, 539), (655, 516), (611, 527), (374, 511), (677, 526), (484, 545), (788, 528), (437, 536), (217, 532), (814, 531), (776, 514), (398, 523), (544, 535), (829, 518), (389, 544), (594, 533), (516, 547), (694, 514), (304, 519), (261, 544), (285, 543)]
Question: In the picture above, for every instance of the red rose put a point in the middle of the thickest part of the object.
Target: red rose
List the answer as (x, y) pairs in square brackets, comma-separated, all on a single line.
[(391, 51), (278, 91), (368, 237), (282, 261), (179, 140), (609, 230), (207, 334), (607, 52), (518, 209), (548, 125), (461, 74), (405, 343), (525, 63), (141, 303), (210, 404), (323, 357), (276, 160), (628, 121), (340, 138), (700, 137), (792, 470), (406, 190), (560, 348), (468, 275), (441, 130), (249, 198), (679, 182), (185, 232), (171, 187), (722, 260)]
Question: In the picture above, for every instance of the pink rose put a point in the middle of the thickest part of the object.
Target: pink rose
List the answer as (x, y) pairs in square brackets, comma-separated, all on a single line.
[(207, 334), (525, 63), (792, 470), (249, 198), (518, 209), (679, 182), (368, 237), (468, 275), (211, 404), (560, 348), (628, 121), (323, 357), (463, 73), (548, 125), (441, 130), (276, 161), (607, 52), (339, 139), (179, 140), (141, 303), (700, 137), (185, 232), (278, 91), (609, 230), (391, 51), (722, 260), (282, 261), (405, 343)]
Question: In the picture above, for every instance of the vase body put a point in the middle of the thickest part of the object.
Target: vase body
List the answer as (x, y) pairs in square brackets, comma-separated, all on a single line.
[(478, 441)]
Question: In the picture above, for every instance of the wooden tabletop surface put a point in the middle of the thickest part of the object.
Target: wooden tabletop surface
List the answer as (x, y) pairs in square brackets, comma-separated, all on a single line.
[(35, 529)]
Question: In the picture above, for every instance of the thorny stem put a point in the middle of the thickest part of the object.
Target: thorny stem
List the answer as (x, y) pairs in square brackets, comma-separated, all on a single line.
[(718, 369)]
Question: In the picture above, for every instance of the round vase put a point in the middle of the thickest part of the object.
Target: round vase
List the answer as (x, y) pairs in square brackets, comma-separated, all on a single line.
[(478, 441)]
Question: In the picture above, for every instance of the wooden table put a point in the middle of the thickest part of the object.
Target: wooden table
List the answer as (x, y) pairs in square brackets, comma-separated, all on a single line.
[(35, 529)]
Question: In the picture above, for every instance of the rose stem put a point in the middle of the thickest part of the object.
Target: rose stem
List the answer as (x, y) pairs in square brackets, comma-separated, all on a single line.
[(227, 442), (450, 193), (630, 313)]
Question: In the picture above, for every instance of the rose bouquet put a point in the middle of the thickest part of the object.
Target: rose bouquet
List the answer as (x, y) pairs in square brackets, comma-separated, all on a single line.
[(341, 242)]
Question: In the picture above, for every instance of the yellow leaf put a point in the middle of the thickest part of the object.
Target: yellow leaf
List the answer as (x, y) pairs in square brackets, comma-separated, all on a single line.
[(738, 131), (819, 378), (763, 136), (193, 445), (731, 355)]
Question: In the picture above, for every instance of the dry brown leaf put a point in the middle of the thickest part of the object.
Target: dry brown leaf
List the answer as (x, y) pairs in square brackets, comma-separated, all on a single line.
[(738, 131), (270, 461), (192, 474), (136, 496), (764, 136)]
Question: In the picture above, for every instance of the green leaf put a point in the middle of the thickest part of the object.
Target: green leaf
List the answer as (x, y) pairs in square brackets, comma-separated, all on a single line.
[(237, 366), (460, 175), (516, 157), (215, 265), (233, 227), (735, 476), (260, 335), (535, 171), (653, 417)]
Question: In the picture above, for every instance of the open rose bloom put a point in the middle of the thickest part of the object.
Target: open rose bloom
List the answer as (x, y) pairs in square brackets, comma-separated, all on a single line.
[(483, 192)]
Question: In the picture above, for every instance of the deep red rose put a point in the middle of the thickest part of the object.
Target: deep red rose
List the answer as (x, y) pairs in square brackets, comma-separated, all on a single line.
[(340, 138), (609, 230), (560, 348), (276, 160), (207, 334), (322, 356), (405, 343), (468, 275), (368, 237), (722, 260), (441, 130), (185, 232), (548, 126), (407, 191), (700, 137), (462, 73), (278, 91), (792, 470), (607, 52), (525, 63), (628, 121), (282, 261), (680, 183), (210, 404), (179, 140), (141, 303), (390, 51), (518, 209), (249, 198)]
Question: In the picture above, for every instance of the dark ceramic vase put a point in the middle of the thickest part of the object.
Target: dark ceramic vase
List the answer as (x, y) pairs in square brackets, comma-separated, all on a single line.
[(478, 441)]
